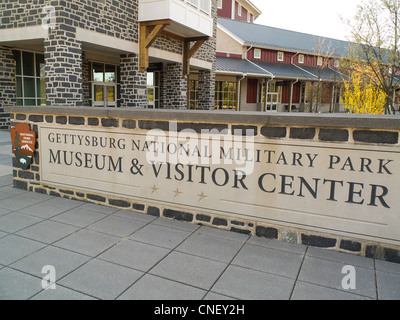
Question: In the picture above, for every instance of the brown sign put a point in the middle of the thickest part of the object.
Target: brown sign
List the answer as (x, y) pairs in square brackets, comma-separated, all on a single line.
[(23, 142)]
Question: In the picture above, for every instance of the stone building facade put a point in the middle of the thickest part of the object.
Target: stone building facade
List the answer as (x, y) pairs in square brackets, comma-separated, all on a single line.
[(87, 53)]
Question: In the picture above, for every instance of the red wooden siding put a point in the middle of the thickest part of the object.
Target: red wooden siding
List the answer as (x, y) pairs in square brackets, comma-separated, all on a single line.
[(229, 55), (226, 11), (272, 56), (252, 86)]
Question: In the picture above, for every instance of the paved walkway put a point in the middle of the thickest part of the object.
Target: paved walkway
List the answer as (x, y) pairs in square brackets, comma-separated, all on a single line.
[(104, 253)]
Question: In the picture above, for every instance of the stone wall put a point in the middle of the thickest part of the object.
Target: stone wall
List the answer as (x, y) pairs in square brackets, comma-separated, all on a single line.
[(7, 85), (327, 131)]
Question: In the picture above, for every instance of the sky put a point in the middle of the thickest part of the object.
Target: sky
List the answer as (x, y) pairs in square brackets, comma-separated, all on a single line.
[(316, 17)]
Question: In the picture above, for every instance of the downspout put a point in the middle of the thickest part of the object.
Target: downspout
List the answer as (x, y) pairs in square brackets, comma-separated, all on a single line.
[(272, 77), (291, 94)]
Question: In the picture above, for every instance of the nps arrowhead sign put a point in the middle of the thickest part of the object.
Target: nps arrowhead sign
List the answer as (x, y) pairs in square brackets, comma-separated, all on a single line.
[(23, 142)]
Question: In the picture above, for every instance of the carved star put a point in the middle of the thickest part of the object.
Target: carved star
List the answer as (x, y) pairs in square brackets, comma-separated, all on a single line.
[(177, 193), (202, 197), (154, 189)]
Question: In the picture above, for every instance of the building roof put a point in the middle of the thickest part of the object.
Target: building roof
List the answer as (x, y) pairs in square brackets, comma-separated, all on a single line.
[(277, 70), (252, 34)]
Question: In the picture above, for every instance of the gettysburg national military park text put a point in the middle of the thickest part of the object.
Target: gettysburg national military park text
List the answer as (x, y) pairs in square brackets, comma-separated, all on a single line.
[(229, 162)]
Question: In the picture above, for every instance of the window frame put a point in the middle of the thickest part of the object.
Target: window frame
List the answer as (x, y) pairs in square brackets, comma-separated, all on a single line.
[(105, 85), (257, 56), (301, 59), (35, 78), (280, 56)]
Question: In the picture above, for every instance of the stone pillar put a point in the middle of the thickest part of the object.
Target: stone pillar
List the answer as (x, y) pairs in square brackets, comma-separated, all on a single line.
[(63, 57), (7, 85), (174, 91), (133, 83), (87, 101), (206, 95)]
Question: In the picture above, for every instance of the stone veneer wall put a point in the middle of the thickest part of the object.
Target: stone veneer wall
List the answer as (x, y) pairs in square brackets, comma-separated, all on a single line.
[(30, 179), (7, 85)]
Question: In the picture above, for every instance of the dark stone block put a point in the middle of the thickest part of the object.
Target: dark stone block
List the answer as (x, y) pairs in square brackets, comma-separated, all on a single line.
[(20, 116), (269, 233), (350, 245), (370, 251), (96, 197), (316, 241), (246, 131), (93, 121), (138, 206), (55, 194), (109, 122), (49, 119), (26, 175), (237, 230), (61, 119), (178, 215), (385, 137), (391, 255), (67, 192), (203, 217), (237, 223), (150, 125), (153, 211), (129, 124), (333, 135), (41, 190), (274, 132), (119, 203), (220, 222), (20, 184), (302, 133), (212, 128), (79, 121), (36, 118)]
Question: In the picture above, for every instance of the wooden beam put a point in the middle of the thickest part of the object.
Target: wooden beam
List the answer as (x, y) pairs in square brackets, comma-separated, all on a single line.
[(188, 52), (146, 39)]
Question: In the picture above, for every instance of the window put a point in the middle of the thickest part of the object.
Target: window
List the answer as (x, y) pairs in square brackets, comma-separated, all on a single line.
[(153, 89), (104, 84), (193, 94), (257, 53), (301, 59), (30, 78), (225, 95), (280, 56), (274, 95), (337, 64), (219, 4), (319, 61), (239, 10)]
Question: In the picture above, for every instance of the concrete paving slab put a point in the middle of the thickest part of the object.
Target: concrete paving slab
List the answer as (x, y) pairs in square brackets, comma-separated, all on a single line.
[(223, 234), (134, 215), (386, 266), (278, 245), (61, 293), (188, 269), (329, 274), (16, 221), (269, 260), (45, 210), (309, 291), (136, 255), (210, 247), (101, 279), (117, 226), (160, 236), (15, 285), (151, 287), (388, 285), (247, 284), (62, 260), (79, 218), (87, 242), (13, 248), (176, 224), (47, 231)]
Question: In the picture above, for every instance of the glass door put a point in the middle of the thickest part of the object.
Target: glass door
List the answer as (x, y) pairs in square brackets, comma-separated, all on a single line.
[(104, 85)]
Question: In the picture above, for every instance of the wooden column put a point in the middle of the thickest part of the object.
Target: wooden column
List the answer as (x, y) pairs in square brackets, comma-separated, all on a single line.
[(188, 51)]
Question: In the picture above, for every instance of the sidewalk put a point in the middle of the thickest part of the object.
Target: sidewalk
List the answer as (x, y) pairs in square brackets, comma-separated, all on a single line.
[(106, 253)]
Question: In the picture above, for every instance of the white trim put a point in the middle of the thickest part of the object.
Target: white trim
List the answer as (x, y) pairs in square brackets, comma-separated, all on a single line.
[(106, 41), (233, 36), (23, 34)]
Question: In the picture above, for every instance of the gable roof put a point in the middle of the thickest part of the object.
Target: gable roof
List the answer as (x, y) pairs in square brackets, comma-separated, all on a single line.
[(252, 34)]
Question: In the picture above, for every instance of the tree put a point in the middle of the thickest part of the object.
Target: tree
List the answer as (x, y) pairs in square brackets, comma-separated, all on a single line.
[(374, 53)]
